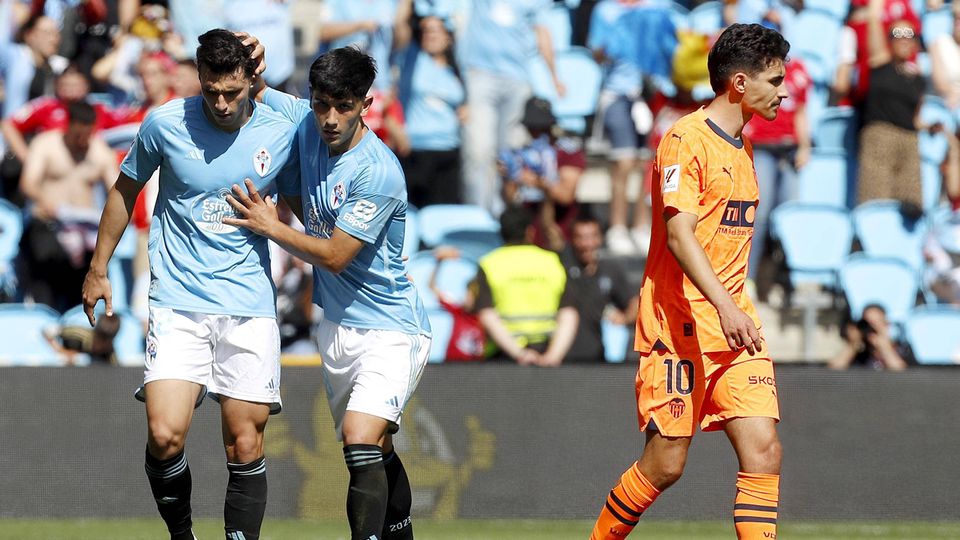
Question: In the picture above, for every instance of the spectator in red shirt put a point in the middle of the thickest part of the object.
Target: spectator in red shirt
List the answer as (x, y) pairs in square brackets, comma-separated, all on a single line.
[(858, 21), (781, 147), (467, 339)]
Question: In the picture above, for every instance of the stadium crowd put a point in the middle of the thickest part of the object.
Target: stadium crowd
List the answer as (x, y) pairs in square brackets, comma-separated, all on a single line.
[(483, 103)]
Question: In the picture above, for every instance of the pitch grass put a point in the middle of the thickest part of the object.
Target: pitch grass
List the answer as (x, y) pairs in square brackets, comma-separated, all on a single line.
[(151, 529)]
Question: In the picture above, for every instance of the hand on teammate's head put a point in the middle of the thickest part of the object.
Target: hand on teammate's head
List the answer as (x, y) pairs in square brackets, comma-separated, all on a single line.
[(259, 52)]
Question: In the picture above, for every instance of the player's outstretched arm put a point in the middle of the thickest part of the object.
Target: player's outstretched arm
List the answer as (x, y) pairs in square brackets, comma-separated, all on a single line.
[(113, 221), (737, 326), (259, 215)]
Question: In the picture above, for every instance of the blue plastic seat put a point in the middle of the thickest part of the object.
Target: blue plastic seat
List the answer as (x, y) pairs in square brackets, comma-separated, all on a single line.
[(441, 327), (581, 77), (933, 336), (888, 282), (931, 183), (453, 278), (11, 229), (815, 240), (835, 8), (411, 232), (836, 130), (883, 232), (707, 18), (21, 331), (473, 245), (130, 341), (936, 23), (616, 338), (825, 179), (814, 36), (437, 220)]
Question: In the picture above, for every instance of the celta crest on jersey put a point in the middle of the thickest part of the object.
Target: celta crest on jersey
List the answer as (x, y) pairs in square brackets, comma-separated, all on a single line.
[(261, 161), (338, 195)]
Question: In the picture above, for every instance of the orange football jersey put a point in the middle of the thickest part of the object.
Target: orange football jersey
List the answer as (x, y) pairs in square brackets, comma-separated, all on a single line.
[(702, 171)]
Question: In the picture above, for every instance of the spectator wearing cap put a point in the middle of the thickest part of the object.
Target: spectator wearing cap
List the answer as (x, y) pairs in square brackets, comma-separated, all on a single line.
[(543, 175)]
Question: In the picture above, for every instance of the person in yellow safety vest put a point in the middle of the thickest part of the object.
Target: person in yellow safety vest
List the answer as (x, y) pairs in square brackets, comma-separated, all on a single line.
[(523, 301)]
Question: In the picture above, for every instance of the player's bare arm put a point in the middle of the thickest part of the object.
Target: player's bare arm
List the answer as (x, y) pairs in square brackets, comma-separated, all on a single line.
[(737, 326), (259, 215), (113, 221)]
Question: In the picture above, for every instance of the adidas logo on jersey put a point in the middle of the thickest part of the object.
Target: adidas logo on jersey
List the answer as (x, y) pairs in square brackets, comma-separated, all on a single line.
[(196, 153)]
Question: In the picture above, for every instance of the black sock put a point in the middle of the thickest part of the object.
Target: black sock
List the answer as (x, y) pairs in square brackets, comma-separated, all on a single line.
[(171, 485), (367, 494), (398, 524), (246, 499)]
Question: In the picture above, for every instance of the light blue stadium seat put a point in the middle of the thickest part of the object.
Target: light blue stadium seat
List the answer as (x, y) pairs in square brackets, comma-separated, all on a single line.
[(815, 240), (888, 282), (933, 146), (11, 229), (836, 131), (936, 23), (815, 36), (932, 333), (437, 220), (835, 8), (473, 244), (411, 232), (21, 332), (616, 338), (441, 327), (452, 278), (581, 77), (130, 341), (679, 15), (707, 18), (882, 232), (931, 182), (824, 179)]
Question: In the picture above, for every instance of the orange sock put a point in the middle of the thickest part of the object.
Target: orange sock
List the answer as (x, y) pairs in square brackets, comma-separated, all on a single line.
[(755, 511), (623, 507)]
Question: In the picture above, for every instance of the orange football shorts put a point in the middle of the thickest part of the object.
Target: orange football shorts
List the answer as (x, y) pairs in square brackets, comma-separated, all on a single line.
[(678, 391)]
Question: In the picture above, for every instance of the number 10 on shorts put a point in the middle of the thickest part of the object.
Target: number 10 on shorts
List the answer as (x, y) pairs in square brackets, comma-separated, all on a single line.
[(680, 376)]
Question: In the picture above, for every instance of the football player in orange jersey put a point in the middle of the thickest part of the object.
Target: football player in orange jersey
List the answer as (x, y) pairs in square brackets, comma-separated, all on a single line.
[(702, 359)]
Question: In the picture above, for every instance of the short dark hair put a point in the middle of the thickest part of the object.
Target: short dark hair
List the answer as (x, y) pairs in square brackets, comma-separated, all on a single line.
[(343, 73), (223, 53), (514, 222), (585, 216), (81, 112), (750, 48)]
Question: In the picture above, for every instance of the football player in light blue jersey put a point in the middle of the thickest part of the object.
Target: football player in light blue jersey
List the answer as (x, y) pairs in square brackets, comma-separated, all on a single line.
[(212, 322), (375, 337)]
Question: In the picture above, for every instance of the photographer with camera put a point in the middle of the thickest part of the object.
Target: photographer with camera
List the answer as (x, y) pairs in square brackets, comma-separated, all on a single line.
[(868, 343)]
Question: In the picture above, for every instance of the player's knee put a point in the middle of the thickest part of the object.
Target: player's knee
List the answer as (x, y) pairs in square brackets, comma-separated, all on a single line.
[(165, 441), (244, 447), (764, 456)]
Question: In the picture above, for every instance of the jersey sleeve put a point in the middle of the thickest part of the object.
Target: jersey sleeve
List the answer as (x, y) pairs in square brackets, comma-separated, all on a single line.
[(146, 152), (292, 108), (370, 205), (681, 174), (288, 179)]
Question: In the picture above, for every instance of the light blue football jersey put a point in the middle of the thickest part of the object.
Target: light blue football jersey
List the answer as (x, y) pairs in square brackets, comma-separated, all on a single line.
[(196, 262), (363, 193)]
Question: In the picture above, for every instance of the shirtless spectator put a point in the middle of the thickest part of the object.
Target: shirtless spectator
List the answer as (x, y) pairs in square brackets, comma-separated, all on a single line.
[(44, 114), (60, 175)]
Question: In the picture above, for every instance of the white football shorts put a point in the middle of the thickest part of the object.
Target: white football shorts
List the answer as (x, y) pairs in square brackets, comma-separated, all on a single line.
[(237, 357), (370, 371)]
